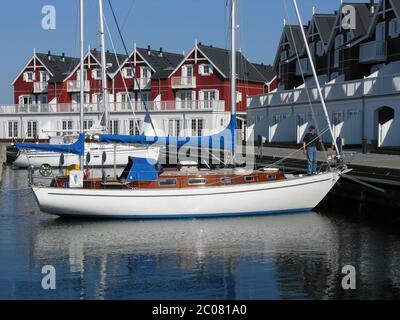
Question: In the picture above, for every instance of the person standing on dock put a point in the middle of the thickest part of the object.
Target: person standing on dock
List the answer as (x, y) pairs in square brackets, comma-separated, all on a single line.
[(310, 144)]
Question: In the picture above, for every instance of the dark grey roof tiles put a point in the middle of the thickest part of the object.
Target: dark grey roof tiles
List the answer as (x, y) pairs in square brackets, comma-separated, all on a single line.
[(60, 66), (221, 59), (160, 61), (112, 61), (266, 71), (325, 24)]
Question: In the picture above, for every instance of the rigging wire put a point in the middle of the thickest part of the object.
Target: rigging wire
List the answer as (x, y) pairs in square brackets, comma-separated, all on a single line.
[(148, 118), (123, 79)]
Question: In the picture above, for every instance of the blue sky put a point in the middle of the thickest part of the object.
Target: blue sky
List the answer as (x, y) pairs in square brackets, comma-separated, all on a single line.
[(171, 24)]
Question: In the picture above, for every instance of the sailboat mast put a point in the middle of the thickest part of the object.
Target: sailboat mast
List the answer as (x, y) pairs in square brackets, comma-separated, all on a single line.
[(233, 72), (315, 75), (81, 72), (103, 66)]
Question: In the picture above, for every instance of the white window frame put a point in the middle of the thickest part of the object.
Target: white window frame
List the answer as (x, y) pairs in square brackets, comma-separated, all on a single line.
[(96, 74), (114, 126), (28, 79), (174, 127), (144, 70), (125, 73), (32, 129), (202, 69), (135, 127), (394, 28), (13, 129), (197, 129), (66, 125)]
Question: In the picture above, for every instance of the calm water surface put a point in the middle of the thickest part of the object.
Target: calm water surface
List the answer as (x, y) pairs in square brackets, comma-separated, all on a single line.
[(279, 257)]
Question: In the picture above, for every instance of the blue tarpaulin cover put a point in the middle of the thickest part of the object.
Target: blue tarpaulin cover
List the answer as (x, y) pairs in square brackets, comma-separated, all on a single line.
[(142, 169), (77, 148), (222, 140)]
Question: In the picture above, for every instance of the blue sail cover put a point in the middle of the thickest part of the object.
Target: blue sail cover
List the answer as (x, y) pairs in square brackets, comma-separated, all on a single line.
[(142, 170), (225, 140), (77, 148)]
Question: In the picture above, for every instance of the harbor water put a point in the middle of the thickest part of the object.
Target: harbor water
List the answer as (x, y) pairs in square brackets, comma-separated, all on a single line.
[(297, 256)]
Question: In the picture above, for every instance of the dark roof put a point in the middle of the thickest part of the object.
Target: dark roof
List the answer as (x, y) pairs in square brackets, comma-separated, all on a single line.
[(396, 6), (162, 62), (266, 71), (221, 59), (111, 60), (325, 24), (60, 66), (295, 38), (363, 17)]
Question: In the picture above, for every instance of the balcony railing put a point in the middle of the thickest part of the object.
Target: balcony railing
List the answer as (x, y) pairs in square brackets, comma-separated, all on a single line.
[(374, 86), (183, 82), (121, 107), (374, 51), (142, 83), (75, 86), (40, 87)]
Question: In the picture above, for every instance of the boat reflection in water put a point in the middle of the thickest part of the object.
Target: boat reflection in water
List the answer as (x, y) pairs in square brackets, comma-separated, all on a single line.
[(241, 258)]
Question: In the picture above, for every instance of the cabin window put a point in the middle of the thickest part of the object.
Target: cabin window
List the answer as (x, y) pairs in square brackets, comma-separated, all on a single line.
[(249, 179), (226, 180), (167, 182), (271, 177), (197, 181)]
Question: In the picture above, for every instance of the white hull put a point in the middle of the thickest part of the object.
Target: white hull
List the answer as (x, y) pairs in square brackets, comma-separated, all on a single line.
[(37, 158), (292, 195)]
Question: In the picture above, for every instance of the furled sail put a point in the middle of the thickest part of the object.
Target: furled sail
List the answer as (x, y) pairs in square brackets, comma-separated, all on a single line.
[(224, 140), (77, 148)]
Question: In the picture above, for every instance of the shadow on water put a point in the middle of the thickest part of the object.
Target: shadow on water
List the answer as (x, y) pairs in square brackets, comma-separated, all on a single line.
[(296, 256)]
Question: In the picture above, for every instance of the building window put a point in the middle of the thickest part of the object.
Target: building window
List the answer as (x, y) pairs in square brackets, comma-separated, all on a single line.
[(145, 72), (96, 74), (29, 76), (125, 100), (205, 69), (44, 76), (135, 127), (114, 126), (13, 129), (320, 48), (197, 127), (276, 118), (174, 128), (128, 73), (284, 55), (208, 97), (32, 129), (394, 28), (66, 126), (338, 118), (87, 124), (25, 100)]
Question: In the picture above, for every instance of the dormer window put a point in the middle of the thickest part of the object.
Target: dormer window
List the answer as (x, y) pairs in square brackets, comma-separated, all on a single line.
[(205, 69), (29, 76)]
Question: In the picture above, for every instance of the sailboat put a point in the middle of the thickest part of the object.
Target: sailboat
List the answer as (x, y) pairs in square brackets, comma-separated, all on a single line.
[(145, 190), (97, 154)]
